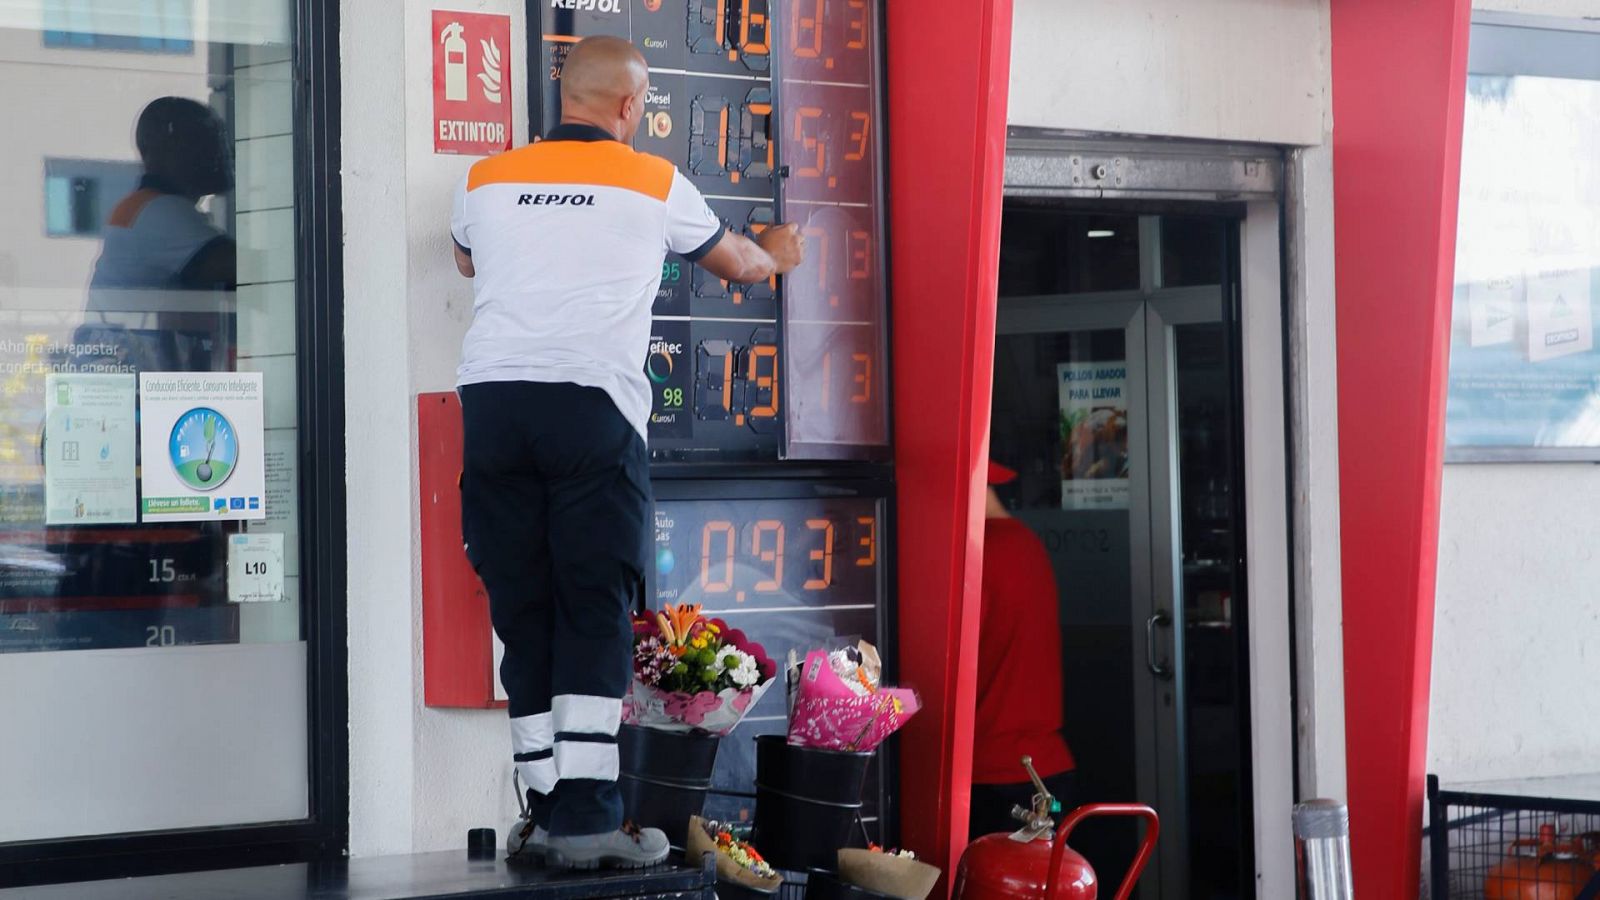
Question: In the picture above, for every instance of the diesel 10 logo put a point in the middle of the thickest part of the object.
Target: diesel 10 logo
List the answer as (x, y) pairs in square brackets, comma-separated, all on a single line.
[(605, 6)]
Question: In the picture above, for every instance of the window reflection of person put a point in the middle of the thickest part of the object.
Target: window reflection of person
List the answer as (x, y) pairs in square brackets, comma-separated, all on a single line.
[(158, 243)]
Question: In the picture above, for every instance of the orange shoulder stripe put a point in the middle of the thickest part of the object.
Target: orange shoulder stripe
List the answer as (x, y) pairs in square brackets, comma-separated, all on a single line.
[(600, 163), (129, 207)]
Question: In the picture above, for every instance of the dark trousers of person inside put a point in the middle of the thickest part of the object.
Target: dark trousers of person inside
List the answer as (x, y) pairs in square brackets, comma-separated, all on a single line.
[(555, 505)]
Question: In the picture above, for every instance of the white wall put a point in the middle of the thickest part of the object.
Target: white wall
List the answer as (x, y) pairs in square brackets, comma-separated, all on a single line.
[(1516, 622), (419, 778), (1240, 70)]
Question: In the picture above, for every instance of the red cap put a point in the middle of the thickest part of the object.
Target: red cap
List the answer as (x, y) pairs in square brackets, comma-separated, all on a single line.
[(999, 474)]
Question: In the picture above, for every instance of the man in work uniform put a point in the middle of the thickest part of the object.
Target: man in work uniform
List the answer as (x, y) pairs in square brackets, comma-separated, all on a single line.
[(564, 240)]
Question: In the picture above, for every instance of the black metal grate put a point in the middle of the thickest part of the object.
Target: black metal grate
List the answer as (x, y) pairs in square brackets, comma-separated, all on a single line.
[(1479, 850)]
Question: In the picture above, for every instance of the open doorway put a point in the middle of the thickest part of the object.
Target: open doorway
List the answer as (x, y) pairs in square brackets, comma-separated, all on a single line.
[(1117, 399)]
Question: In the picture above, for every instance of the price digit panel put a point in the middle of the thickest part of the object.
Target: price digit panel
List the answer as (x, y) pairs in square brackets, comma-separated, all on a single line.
[(772, 111), (793, 573)]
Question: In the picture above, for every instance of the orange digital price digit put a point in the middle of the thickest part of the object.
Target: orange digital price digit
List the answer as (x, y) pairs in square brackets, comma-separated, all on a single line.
[(768, 382), (810, 143), (860, 137), (858, 255), (748, 18), (858, 26), (811, 25), (863, 377), (870, 542), (765, 109), (727, 380), (774, 555), (823, 555), (725, 583)]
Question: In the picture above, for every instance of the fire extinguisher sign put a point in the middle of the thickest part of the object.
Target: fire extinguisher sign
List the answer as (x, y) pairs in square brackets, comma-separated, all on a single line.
[(471, 83)]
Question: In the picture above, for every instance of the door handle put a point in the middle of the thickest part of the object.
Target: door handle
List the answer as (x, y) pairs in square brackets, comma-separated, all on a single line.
[(1159, 670)]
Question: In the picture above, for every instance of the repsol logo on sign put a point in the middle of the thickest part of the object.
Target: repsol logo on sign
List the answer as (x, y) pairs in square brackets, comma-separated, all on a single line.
[(605, 6), (555, 200)]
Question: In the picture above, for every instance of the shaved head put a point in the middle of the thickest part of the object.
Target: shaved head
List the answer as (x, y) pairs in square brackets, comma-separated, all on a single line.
[(603, 83)]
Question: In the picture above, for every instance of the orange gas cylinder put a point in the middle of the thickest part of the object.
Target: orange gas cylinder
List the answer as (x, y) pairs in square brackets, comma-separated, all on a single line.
[(1009, 867), (1552, 872)]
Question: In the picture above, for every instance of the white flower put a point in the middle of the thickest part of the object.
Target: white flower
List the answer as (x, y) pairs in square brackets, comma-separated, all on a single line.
[(744, 672)]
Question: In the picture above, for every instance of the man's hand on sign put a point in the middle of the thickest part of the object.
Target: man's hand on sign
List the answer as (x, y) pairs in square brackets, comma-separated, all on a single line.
[(777, 251), (785, 244)]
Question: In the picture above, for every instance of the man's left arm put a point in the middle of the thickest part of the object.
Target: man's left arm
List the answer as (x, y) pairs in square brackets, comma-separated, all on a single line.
[(458, 231)]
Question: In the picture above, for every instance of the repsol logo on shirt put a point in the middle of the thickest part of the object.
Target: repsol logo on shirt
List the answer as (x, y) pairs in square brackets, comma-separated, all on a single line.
[(605, 6), (555, 200)]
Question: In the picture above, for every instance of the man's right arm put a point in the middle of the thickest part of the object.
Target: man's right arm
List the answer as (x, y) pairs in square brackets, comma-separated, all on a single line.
[(776, 251), (695, 232)]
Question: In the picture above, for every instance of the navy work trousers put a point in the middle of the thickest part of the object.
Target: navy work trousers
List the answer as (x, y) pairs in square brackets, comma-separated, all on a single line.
[(555, 505)]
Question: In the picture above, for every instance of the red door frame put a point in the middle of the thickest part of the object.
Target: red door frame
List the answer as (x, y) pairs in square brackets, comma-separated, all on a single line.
[(1399, 87), (949, 67)]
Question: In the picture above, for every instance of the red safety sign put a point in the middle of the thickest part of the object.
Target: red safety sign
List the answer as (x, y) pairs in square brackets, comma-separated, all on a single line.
[(471, 83)]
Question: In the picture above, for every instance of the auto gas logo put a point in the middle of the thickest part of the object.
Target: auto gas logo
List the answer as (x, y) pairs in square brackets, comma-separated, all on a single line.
[(605, 6), (662, 360)]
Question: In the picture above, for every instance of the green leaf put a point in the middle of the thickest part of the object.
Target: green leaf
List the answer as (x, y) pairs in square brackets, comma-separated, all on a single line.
[(211, 428)]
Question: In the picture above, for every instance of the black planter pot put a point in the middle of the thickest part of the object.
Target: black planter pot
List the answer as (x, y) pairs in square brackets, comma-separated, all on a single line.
[(664, 777), (821, 885), (807, 803), (732, 890)]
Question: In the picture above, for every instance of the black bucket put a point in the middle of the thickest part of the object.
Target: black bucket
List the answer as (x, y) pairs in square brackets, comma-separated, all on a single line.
[(664, 777), (822, 885), (807, 803)]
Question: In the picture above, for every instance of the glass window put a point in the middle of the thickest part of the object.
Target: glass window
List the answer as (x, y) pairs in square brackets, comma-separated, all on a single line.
[(1191, 250), (150, 616), (1524, 369), (1052, 252), (146, 26)]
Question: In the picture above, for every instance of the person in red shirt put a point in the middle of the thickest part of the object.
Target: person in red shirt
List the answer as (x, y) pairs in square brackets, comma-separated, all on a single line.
[(1019, 673)]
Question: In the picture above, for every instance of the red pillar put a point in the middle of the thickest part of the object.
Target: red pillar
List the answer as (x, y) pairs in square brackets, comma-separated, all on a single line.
[(948, 72), (1399, 82)]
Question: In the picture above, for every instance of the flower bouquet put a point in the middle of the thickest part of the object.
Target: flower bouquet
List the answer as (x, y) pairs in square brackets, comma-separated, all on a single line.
[(840, 702), (896, 873), (737, 862), (691, 673)]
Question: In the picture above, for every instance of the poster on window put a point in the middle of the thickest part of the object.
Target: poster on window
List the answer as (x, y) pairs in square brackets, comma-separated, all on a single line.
[(1524, 372), (89, 445), (202, 446), (1094, 434)]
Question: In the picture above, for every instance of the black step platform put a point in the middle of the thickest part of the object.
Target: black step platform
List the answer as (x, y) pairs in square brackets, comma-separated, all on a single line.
[(422, 876)]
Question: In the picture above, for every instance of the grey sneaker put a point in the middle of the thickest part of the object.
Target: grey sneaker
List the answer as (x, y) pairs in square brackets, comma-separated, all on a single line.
[(629, 847), (526, 841)]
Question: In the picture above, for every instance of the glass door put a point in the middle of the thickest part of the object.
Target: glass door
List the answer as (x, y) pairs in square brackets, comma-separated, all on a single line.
[(1118, 409)]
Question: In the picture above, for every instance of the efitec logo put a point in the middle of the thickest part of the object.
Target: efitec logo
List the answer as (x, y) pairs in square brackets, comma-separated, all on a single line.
[(659, 364)]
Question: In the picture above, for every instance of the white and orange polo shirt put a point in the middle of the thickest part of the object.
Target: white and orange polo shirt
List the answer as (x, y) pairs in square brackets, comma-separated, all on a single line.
[(567, 237)]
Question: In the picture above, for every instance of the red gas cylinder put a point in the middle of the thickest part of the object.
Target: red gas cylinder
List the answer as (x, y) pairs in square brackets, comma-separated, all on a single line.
[(1006, 867)]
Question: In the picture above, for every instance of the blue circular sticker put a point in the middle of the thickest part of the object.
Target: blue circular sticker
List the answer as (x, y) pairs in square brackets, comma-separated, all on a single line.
[(203, 448)]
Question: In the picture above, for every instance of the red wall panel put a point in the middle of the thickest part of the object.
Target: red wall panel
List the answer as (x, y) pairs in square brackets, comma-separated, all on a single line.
[(948, 74), (1399, 81)]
